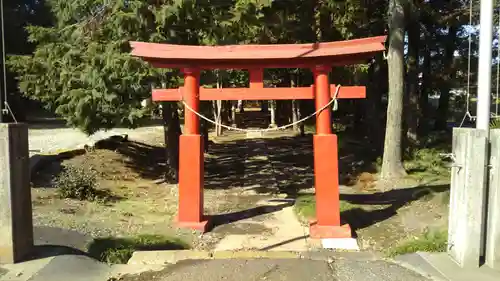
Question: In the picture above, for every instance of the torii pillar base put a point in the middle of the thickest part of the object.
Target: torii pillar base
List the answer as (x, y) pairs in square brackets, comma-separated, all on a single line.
[(327, 190), (191, 170), (317, 231), (202, 226)]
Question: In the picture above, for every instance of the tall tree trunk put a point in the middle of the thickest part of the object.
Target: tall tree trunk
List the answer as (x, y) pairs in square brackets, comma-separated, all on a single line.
[(377, 74), (423, 124), (172, 131), (295, 110), (241, 106), (226, 112), (392, 164), (217, 109), (412, 111), (359, 110), (264, 106), (204, 133), (233, 114), (205, 109), (295, 116), (444, 98), (273, 113)]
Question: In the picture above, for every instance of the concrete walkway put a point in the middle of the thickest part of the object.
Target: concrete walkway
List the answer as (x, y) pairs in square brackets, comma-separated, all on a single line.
[(81, 268), (277, 270), (442, 267)]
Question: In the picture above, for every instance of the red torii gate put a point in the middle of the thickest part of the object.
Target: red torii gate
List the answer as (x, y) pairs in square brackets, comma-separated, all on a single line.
[(320, 57)]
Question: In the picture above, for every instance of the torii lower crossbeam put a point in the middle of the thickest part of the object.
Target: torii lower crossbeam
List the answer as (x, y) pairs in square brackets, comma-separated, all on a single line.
[(299, 93)]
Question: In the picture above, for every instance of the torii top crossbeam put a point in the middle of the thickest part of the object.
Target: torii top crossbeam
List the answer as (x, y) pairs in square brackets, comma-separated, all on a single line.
[(255, 58), (264, 56)]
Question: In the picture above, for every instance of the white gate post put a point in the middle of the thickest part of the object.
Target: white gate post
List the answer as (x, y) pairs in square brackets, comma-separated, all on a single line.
[(468, 197)]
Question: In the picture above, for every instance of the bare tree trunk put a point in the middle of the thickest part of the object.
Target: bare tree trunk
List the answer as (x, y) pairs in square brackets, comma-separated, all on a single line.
[(295, 110), (226, 112), (204, 125), (444, 98), (374, 102), (295, 116), (302, 129), (172, 131), (219, 119), (423, 125), (413, 111), (273, 114), (241, 106), (264, 106), (204, 133), (392, 164), (233, 114), (359, 110), (217, 109)]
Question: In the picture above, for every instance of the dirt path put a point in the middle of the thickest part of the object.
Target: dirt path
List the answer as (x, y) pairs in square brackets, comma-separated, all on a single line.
[(266, 220)]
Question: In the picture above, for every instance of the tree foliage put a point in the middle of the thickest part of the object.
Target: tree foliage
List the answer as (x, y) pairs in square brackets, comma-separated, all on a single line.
[(74, 55)]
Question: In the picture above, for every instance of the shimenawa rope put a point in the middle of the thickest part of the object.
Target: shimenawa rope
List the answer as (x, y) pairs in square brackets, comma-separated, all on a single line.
[(333, 100)]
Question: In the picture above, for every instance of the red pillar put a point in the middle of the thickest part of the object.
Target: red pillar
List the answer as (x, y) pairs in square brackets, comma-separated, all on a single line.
[(256, 76), (191, 158), (326, 171)]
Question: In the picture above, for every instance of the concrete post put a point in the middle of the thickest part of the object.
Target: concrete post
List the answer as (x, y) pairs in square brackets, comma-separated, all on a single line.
[(493, 220), (468, 197), (16, 222)]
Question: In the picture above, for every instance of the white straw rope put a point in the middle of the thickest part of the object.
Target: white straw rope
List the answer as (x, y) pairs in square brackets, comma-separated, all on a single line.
[(333, 100)]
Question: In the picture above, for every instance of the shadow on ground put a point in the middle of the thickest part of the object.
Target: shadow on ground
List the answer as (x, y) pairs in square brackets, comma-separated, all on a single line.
[(43, 168), (55, 241), (147, 160), (228, 218), (359, 218), (283, 164), (47, 251)]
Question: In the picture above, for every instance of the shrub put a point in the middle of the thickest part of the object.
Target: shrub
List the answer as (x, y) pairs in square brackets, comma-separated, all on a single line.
[(78, 183)]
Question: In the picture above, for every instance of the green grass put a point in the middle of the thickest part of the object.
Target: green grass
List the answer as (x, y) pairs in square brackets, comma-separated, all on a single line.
[(430, 241), (305, 207), (119, 250)]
